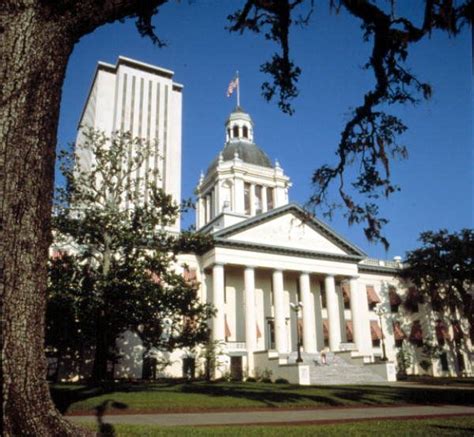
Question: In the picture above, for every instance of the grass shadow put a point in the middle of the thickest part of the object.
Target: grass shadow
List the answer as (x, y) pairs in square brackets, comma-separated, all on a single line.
[(268, 395)]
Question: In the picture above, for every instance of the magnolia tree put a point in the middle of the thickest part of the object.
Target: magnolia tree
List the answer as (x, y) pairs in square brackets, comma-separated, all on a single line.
[(119, 270)]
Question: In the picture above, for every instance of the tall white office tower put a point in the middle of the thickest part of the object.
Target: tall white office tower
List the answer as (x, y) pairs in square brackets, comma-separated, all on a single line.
[(142, 99)]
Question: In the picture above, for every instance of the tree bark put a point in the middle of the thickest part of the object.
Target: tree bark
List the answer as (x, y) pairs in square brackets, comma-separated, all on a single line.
[(35, 51), (37, 39)]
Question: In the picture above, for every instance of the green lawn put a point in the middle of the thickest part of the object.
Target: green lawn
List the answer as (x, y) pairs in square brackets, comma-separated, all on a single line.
[(456, 426), (199, 396)]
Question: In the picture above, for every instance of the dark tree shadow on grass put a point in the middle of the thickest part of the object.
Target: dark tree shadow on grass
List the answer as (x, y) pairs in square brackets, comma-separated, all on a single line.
[(64, 395), (106, 429), (269, 395), (464, 430), (398, 395), (265, 395)]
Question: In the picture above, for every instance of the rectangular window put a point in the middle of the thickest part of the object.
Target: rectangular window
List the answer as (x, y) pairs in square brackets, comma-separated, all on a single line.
[(225, 286), (444, 362), (323, 298), (461, 364), (271, 334), (258, 199), (247, 198), (269, 198)]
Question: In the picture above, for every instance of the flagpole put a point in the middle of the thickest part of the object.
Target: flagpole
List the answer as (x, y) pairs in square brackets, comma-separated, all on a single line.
[(238, 88)]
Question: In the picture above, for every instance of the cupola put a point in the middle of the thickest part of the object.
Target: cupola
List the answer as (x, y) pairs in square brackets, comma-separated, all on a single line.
[(241, 181)]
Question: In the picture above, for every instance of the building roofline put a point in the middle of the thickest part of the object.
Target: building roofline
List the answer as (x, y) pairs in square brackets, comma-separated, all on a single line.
[(267, 248), (145, 67), (123, 60), (313, 221), (364, 268)]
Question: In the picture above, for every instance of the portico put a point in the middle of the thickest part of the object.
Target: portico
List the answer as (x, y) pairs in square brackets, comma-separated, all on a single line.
[(253, 304), (270, 256)]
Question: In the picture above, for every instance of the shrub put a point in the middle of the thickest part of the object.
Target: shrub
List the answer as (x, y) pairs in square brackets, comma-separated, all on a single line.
[(281, 381), (266, 380), (250, 379)]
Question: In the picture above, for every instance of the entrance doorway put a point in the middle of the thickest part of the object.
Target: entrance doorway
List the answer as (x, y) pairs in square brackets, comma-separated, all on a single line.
[(270, 334), (236, 368)]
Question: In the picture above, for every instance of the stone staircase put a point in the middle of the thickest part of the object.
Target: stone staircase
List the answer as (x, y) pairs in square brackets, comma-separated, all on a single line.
[(341, 368)]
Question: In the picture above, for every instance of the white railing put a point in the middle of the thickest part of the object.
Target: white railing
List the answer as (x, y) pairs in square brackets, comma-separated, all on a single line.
[(236, 346), (347, 346)]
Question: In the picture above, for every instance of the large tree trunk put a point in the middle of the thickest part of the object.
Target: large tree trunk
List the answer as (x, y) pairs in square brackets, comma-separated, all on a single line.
[(35, 51), (37, 37)]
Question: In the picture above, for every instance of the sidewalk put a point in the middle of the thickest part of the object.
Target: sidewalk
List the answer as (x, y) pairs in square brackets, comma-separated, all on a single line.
[(331, 415)]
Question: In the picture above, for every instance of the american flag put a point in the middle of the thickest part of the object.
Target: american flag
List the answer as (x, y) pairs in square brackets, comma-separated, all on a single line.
[(234, 83)]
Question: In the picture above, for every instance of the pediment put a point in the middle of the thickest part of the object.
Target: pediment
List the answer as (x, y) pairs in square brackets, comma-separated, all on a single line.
[(290, 228)]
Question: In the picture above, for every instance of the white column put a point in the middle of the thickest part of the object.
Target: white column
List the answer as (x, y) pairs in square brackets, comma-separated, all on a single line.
[(355, 313), (200, 216), (252, 200), (238, 206), (264, 199), (203, 287), (217, 198), (279, 196), (365, 334), (278, 303), (332, 303), (218, 321), (208, 208), (250, 321), (318, 314), (309, 327)]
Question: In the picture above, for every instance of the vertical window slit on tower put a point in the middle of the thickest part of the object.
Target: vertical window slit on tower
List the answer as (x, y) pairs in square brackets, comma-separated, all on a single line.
[(148, 130), (247, 198), (165, 138), (140, 125), (124, 101), (157, 131), (132, 114)]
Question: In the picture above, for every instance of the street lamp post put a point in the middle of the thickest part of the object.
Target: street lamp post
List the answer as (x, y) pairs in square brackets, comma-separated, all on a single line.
[(380, 311), (296, 308)]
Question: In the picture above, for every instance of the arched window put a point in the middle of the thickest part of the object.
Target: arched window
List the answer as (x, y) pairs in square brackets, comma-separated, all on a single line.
[(235, 131), (245, 132), (228, 132)]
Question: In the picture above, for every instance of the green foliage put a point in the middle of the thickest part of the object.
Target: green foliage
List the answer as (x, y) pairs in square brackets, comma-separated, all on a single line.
[(404, 360), (369, 139), (119, 271), (264, 375), (210, 354), (281, 381), (442, 270)]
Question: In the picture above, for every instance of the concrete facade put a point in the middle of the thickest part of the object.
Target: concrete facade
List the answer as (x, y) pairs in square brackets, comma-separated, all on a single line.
[(142, 99)]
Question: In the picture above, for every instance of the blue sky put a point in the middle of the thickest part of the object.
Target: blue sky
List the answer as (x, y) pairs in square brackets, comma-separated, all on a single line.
[(436, 181)]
